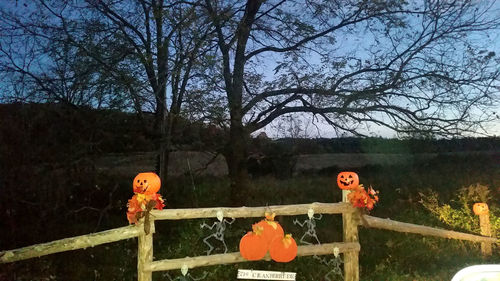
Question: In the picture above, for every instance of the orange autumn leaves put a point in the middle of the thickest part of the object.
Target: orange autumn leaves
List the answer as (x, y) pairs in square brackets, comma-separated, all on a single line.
[(145, 198), (361, 198), (268, 235), (358, 196), (141, 203)]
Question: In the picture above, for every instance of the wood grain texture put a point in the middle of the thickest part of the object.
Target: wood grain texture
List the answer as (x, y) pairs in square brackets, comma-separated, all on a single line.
[(389, 224), (485, 225), (235, 257), (145, 252), (249, 212), (350, 222), (69, 244)]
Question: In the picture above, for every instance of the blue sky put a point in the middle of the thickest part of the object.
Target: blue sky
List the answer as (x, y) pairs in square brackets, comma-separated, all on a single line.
[(318, 129)]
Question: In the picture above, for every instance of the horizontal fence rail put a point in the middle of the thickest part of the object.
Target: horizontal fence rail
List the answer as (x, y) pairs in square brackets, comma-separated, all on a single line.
[(69, 244), (349, 247), (192, 262), (249, 212), (388, 224)]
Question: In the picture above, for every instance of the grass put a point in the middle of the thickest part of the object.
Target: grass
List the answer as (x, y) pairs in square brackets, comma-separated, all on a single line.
[(384, 255)]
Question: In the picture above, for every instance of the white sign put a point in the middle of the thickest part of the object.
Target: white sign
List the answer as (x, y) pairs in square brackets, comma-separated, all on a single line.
[(265, 275)]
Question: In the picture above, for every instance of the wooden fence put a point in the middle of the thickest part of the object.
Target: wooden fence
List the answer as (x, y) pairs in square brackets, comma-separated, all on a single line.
[(350, 247)]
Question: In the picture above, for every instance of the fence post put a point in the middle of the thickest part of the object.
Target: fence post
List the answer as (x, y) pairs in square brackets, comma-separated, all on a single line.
[(145, 251), (350, 231), (484, 223), (482, 210)]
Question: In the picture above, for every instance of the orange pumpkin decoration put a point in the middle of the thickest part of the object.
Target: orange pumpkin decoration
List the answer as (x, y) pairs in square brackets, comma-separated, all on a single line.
[(480, 209), (253, 247), (347, 180), (270, 228), (146, 183), (283, 249)]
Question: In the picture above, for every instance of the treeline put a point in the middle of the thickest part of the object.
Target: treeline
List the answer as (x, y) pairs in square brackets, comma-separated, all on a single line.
[(386, 145), (41, 133), (44, 133)]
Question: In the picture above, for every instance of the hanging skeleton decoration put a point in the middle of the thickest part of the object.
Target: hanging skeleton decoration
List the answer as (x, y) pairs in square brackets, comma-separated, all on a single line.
[(220, 227), (335, 266), (311, 227)]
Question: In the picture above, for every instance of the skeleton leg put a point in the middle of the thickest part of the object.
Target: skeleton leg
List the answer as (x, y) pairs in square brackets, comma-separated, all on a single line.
[(302, 239), (315, 237), (327, 275), (199, 278), (208, 244), (223, 243)]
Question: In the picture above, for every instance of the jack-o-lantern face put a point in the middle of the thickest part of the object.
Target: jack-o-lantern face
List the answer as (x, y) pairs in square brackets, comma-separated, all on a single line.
[(480, 209), (146, 183), (347, 180)]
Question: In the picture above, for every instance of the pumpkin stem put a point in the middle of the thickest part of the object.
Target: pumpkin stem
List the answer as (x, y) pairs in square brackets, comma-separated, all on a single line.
[(270, 216), (287, 240), (257, 229)]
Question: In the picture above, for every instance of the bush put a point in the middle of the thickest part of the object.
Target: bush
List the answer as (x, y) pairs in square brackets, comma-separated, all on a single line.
[(458, 214)]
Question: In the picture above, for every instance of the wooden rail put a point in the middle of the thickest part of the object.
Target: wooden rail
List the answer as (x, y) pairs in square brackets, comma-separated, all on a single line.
[(252, 212), (146, 265), (389, 224), (192, 262), (69, 244), (349, 247)]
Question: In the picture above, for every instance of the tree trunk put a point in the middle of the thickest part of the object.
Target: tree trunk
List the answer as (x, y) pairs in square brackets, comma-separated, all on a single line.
[(236, 157), (236, 150), (167, 142), (163, 159), (163, 130), (161, 96), (238, 140)]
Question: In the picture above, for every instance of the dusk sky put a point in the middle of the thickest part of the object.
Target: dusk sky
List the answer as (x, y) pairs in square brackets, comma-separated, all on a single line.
[(347, 43)]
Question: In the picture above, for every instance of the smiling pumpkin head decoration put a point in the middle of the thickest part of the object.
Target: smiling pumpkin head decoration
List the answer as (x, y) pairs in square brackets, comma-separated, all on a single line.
[(145, 198), (146, 183), (480, 209), (347, 180)]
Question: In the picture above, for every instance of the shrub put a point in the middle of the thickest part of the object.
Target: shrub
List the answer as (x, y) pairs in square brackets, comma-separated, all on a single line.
[(458, 214)]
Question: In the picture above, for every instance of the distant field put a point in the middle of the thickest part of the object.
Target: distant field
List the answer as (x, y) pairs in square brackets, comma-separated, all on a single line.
[(205, 163), (181, 163)]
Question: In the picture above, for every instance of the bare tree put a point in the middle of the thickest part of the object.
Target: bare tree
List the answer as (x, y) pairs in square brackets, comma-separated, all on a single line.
[(149, 49), (36, 69), (403, 65)]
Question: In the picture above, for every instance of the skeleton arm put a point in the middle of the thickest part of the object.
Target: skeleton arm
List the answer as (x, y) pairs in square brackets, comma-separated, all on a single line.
[(204, 225), (295, 221)]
